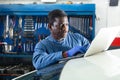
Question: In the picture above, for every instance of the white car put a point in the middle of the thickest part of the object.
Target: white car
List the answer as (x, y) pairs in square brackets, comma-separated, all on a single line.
[(101, 66)]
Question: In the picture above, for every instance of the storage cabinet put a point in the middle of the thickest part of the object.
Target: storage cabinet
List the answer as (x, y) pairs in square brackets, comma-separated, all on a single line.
[(23, 25)]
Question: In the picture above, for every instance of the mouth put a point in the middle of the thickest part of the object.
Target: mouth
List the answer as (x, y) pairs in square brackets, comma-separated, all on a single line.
[(64, 31), (62, 34)]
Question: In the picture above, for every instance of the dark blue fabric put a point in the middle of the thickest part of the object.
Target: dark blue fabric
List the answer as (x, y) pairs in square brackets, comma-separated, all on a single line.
[(51, 72)]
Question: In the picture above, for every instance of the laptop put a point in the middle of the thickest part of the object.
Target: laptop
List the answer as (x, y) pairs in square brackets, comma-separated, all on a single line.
[(100, 43), (103, 40)]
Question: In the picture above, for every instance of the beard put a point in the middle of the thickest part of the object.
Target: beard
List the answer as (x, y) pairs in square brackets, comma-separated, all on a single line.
[(60, 35)]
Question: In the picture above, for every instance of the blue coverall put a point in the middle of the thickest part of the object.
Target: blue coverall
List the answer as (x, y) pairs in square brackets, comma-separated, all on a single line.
[(49, 51)]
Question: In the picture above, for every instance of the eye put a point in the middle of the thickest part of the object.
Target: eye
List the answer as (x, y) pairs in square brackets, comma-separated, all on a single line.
[(63, 25), (67, 24)]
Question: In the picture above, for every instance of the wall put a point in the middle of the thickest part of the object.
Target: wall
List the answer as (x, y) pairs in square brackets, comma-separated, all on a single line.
[(114, 16), (106, 15), (101, 14)]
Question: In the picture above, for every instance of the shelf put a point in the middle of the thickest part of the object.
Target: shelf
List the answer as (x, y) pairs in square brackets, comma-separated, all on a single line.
[(43, 9), (16, 55)]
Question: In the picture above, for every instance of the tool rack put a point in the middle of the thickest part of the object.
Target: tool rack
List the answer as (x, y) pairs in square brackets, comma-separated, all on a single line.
[(23, 25)]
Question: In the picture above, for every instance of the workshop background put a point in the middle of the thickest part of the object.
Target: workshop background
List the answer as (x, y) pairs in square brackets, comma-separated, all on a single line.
[(20, 32)]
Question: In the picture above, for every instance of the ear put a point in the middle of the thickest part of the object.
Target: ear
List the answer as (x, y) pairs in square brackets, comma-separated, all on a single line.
[(49, 26)]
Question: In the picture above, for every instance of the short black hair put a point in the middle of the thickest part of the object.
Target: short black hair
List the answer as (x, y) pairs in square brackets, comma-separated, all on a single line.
[(55, 14)]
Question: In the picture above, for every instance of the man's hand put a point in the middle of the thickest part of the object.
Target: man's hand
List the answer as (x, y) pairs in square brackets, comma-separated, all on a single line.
[(76, 49)]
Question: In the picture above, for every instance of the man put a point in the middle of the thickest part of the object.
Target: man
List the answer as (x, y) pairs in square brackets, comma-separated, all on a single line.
[(60, 44)]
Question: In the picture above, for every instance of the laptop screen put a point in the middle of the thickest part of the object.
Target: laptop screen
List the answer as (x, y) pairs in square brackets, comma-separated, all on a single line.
[(103, 40)]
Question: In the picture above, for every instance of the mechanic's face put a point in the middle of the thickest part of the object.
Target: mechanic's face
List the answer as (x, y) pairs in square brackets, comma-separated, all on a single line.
[(59, 29)]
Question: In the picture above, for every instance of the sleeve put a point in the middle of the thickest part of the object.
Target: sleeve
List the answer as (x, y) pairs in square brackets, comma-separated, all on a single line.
[(42, 59), (84, 41)]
